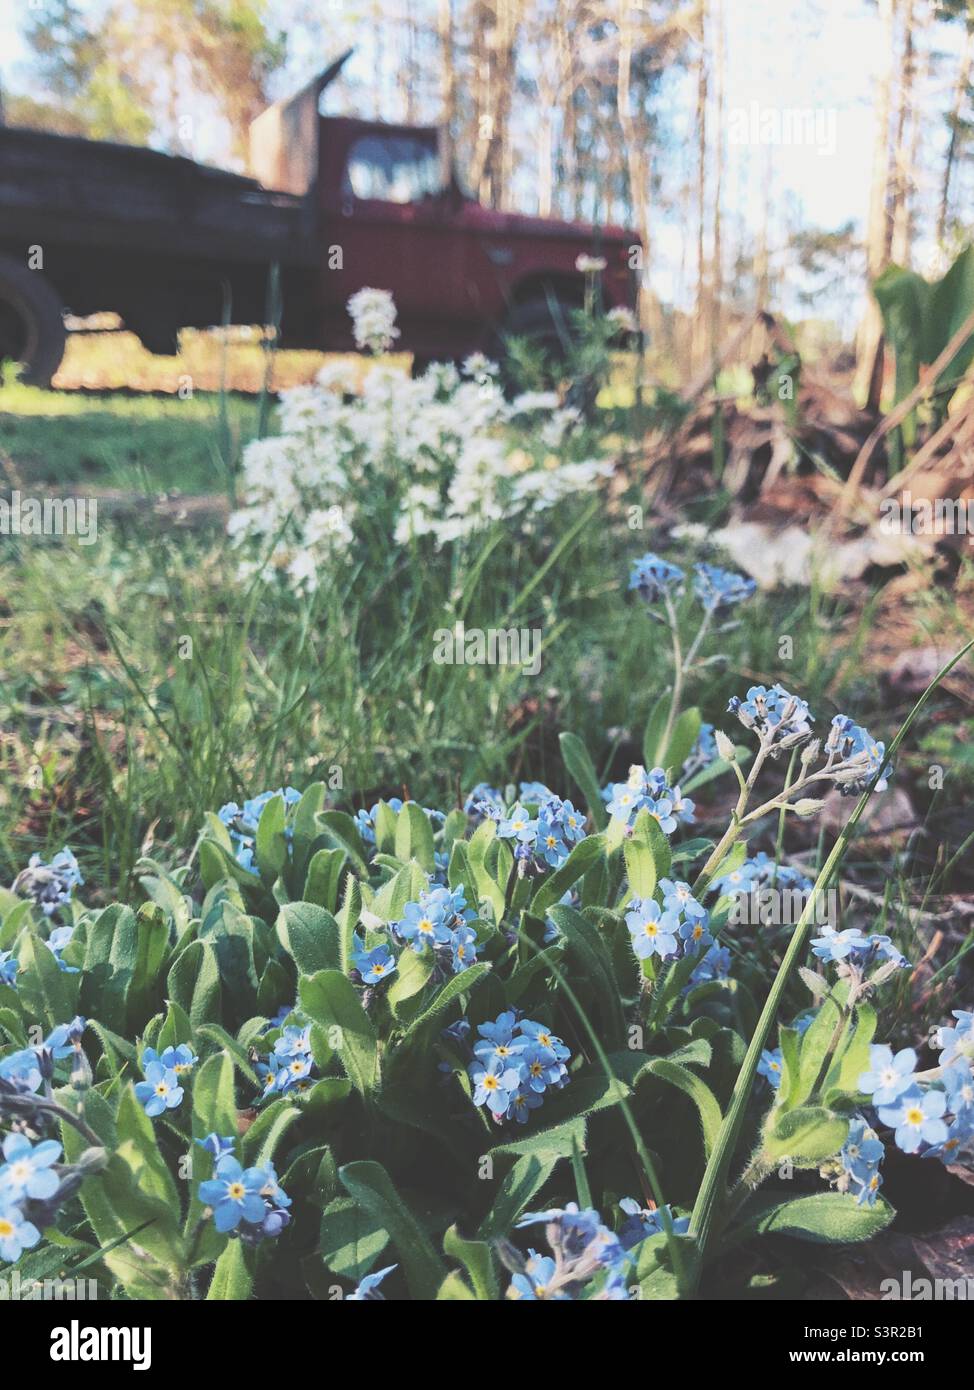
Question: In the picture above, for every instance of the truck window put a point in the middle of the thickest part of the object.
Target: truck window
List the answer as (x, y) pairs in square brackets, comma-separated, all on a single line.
[(392, 168)]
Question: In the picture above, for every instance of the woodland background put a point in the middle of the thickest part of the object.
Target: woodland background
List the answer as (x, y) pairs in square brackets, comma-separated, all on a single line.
[(621, 111)]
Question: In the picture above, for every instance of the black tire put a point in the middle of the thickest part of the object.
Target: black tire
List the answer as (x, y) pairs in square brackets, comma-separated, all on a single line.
[(546, 322), (32, 328)]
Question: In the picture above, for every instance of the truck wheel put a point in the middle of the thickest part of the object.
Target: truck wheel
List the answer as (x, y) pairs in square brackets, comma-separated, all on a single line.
[(546, 324), (32, 328)]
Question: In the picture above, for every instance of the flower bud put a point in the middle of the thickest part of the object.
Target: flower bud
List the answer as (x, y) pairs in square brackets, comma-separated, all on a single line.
[(725, 746)]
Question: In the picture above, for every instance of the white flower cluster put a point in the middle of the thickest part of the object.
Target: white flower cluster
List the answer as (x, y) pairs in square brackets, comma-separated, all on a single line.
[(432, 457), (373, 320)]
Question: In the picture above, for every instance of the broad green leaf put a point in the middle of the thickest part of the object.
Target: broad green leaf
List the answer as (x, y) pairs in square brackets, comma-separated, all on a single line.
[(455, 987), (806, 1136), (330, 999), (45, 991), (324, 877), (708, 1107), (582, 772), (232, 1280), (350, 1239), (517, 1191), (414, 837), (583, 855), (584, 942), (310, 935), (412, 974), (823, 1037), (265, 1134), (455, 1289), (194, 983), (477, 1260), (372, 1188), (822, 1217)]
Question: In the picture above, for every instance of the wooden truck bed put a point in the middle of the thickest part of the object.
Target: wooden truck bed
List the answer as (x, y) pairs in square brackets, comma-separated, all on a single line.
[(56, 189)]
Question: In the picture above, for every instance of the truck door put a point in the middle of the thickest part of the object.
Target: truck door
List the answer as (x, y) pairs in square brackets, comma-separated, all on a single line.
[(396, 231)]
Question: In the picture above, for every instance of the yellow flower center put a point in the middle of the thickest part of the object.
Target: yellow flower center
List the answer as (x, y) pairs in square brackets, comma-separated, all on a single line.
[(6, 1227), (161, 1089), (236, 1190), (914, 1116)]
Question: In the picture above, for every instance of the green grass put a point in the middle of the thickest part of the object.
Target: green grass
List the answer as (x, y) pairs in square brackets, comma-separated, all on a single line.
[(139, 442), (118, 735)]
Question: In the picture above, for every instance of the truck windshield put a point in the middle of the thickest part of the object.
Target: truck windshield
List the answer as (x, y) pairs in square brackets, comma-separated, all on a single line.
[(392, 168)]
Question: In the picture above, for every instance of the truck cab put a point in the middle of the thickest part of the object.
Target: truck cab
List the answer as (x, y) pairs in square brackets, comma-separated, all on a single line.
[(390, 212)]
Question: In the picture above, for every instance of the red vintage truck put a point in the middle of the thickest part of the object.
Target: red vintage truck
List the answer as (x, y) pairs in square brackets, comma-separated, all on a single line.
[(334, 203)]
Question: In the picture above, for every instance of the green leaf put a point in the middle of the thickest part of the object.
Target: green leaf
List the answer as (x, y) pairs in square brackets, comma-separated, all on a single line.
[(414, 836), (708, 1107), (477, 1260), (852, 1059), (455, 987), (45, 991), (232, 1280), (262, 1138), (271, 841), (582, 772), (404, 887), (138, 1147), (385, 828), (350, 1239), (237, 1052), (789, 1040), (217, 864), (194, 983), (310, 935), (412, 974), (340, 830), (647, 856), (460, 872), (823, 1217), (824, 1035), (653, 733), (682, 739), (519, 1187), (455, 1289), (806, 1136), (324, 877), (586, 945), (370, 1185), (586, 853), (329, 998), (214, 1100), (348, 918), (557, 1141), (305, 825), (230, 934)]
